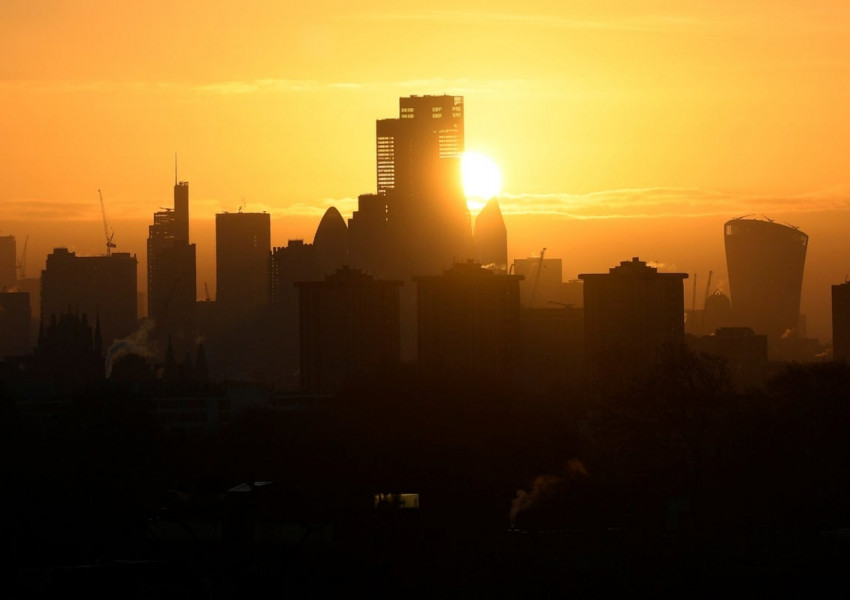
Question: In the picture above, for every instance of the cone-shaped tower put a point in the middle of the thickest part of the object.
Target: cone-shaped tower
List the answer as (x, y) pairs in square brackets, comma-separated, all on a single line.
[(331, 242), (491, 238)]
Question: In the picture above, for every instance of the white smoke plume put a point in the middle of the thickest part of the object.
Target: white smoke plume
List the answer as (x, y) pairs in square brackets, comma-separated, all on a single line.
[(545, 486), (139, 342)]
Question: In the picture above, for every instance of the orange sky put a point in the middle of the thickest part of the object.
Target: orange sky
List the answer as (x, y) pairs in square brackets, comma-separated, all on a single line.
[(621, 128)]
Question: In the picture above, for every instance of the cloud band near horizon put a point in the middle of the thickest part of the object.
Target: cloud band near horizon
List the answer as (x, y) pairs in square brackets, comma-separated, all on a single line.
[(637, 203)]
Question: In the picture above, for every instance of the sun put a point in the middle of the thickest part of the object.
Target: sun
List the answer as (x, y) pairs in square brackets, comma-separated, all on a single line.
[(481, 178)]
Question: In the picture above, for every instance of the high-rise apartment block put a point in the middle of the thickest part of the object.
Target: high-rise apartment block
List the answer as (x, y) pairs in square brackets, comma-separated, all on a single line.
[(101, 287), (349, 324), (631, 314), (469, 320), (172, 285), (242, 245)]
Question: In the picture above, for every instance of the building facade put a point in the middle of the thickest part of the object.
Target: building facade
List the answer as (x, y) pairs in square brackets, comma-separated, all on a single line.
[(349, 325), (632, 314), (242, 245), (101, 287), (469, 321)]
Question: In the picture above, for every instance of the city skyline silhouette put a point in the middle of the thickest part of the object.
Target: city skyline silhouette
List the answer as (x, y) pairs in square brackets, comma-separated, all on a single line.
[(642, 153), (306, 358)]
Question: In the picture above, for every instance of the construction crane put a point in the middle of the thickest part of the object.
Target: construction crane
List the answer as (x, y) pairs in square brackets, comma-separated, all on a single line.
[(109, 243), (537, 277), (22, 262)]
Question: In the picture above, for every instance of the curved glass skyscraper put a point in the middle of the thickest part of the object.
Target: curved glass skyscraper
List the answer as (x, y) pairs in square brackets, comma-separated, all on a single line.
[(765, 261)]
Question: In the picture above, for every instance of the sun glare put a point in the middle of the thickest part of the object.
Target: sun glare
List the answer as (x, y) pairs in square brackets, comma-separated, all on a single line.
[(481, 178)]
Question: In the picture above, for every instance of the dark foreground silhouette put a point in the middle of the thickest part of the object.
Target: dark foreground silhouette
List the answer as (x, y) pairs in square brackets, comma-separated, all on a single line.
[(674, 483)]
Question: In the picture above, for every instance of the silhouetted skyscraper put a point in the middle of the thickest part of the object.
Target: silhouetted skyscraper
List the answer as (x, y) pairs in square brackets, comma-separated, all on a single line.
[(841, 322), (101, 287), (349, 324), (469, 320), (287, 264), (331, 243), (631, 314), (242, 244), (172, 285), (491, 238), (410, 149), (418, 170), (368, 234), (765, 262), (8, 263)]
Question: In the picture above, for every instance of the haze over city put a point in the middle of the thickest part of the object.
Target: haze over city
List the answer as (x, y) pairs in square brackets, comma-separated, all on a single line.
[(628, 129), (442, 300)]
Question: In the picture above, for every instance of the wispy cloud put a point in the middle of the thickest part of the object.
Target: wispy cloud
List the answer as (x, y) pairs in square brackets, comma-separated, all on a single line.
[(346, 206), (69, 210), (211, 206), (259, 86), (637, 203), (669, 202), (30, 209), (457, 85), (685, 20), (645, 23)]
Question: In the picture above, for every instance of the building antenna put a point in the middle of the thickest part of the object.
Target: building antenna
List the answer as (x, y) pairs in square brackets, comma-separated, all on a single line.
[(175, 168)]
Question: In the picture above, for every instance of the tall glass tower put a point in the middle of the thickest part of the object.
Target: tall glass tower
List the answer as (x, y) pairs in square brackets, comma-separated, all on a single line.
[(765, 262), (418, 173)]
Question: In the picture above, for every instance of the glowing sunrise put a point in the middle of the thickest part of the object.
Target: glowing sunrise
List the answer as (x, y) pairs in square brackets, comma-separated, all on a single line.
[(425, 300), (619, 129), (481, 179)]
